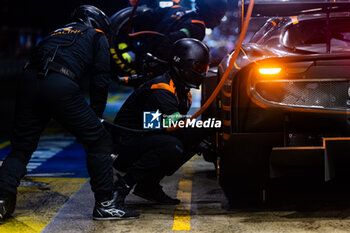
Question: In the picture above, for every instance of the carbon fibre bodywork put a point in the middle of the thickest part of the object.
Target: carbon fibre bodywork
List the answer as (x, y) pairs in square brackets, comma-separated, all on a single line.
[(295, 116)]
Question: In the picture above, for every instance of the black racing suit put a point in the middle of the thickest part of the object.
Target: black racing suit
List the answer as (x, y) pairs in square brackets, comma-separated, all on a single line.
[(82, 50), (148, 158), (175, 23), (178, 23)]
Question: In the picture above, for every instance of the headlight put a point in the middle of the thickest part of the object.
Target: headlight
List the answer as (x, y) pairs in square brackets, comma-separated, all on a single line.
[(270, 71)]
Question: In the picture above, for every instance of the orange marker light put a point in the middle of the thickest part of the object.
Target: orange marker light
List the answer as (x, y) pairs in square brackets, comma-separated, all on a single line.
[(270, 70)]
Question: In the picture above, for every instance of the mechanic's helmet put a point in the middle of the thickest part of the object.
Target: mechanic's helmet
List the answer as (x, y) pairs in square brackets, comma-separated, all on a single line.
[(212, 11), (189, 62), (93, 17)]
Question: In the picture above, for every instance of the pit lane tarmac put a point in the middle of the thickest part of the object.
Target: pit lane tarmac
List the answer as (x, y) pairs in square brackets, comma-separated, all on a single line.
[(56, 197), (65, 205)]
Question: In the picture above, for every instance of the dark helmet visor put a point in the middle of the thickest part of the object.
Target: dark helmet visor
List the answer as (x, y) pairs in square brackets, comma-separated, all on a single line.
[(200, 67)]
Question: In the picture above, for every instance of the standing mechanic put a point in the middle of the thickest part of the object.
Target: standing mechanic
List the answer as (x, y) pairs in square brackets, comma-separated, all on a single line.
[(176, 22), (50, 90), (146, 159)]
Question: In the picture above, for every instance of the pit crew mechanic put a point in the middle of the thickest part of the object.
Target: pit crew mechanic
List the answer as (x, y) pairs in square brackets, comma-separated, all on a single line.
[(177, 22), (146, 159), (50, 90)]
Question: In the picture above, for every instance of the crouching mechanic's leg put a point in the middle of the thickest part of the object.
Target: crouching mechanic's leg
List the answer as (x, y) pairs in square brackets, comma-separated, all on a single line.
[(184, 144), (156, 156)]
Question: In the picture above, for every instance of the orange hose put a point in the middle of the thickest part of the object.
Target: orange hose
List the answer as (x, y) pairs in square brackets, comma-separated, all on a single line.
[(242, 5), (145, 33), (229, 68), (129, 27)]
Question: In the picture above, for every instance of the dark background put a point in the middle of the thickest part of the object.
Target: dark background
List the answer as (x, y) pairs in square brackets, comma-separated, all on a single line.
[(49, 13), (24, 23)]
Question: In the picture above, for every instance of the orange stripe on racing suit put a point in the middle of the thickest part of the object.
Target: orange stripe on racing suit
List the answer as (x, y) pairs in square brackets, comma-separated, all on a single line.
[(170, 87), (189, 96), (126, 79), (99, 30), (164, 86), (198, 21)]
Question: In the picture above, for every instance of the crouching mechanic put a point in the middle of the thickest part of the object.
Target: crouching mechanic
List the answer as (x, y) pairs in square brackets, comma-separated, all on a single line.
[(146, 159), (50, 90)]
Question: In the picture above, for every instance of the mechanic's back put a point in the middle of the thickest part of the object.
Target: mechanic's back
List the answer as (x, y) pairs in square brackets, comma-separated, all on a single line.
[(80, 47)]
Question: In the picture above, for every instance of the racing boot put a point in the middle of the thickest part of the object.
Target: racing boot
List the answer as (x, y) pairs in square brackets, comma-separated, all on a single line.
[(113, 209), (7, 205), (155, 194), (122, 188)]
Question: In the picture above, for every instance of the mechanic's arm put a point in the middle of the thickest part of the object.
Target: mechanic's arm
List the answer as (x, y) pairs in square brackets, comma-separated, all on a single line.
[(191, 29), (195, 29), (101, 76), (147, 19)]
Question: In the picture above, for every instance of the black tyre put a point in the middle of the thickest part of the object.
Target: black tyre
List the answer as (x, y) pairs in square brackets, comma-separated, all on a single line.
[(129, 49)]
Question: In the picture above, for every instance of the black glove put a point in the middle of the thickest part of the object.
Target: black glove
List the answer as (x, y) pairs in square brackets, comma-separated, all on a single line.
[(98, 109)]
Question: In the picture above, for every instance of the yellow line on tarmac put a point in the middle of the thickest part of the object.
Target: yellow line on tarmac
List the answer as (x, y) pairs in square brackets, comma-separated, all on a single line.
[(38, 202), (114, 98), (182, 215), (4, 144)]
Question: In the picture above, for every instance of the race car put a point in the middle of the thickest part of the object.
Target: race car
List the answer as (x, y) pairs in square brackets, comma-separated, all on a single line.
[(285, 106)]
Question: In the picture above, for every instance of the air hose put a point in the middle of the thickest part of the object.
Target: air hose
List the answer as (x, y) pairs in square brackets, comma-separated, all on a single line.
[(146, 33), (229, 68), (129, 27), (138, 131)]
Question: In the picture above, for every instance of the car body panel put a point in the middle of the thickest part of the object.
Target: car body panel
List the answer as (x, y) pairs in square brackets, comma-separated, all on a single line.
[(269, 119)]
